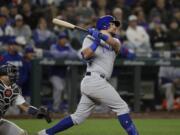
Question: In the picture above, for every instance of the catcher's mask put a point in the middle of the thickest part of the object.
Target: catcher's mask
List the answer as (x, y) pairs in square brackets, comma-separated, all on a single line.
[(10, 70)]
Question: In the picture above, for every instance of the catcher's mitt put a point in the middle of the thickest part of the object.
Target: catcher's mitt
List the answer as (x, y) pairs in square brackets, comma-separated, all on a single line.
[(43, 113)]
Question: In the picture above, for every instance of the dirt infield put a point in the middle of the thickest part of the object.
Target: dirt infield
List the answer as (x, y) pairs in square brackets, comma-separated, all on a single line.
[(147, 115)]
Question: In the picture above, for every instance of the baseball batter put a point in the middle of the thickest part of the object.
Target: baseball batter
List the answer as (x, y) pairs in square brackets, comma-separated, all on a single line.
[(10, 94), (99, 50)]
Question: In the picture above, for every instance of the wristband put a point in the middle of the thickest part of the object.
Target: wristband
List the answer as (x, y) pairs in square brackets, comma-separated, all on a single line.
[(93, 46), (103, 36)]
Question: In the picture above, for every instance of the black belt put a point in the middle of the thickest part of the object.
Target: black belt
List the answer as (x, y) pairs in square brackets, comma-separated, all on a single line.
[(102, 76)]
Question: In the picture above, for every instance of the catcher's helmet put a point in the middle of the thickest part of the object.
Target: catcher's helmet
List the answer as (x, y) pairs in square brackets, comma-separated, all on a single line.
[(103, 22), (9, 70)]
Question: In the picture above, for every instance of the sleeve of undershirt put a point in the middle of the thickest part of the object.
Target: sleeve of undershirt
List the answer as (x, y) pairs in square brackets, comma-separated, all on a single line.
[(19, 100)]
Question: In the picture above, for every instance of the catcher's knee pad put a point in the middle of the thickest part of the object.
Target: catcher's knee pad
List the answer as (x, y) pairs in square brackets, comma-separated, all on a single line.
[(77, 119), (23, 132)]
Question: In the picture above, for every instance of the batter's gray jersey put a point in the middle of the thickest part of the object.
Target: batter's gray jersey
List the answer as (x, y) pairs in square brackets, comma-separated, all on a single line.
[(96, 89), (103, 60)]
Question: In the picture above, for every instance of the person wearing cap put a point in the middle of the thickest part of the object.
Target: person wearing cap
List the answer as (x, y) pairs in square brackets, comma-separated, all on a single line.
[(22, 29), (12, 55), (42, 36), (61, 50), (174, 35), (30, 17), (28, 56), (138, 38), (5, 11), (158, 36), (6, 31)]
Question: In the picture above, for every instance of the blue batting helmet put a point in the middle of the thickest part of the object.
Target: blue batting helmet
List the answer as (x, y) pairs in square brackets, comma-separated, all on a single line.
[(103, 22)]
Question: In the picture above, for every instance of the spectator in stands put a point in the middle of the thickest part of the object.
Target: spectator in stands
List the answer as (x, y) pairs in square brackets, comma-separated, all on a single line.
[(174, 35), (169, 81), (22, 29), (158, 36), (84, 16), (84, 12), (61, 50), (5, 11), (141, 19), (147, 5), (157, 18), (13, 11), (161, 10), (39, 3), (176, 15), (125, 8), (42, 36), (12, 56), (173, 3), (6, 30), (5, 2), (30, 18), (27, 66), (138, 38), (100, 7), (69, 13), (118, 14)]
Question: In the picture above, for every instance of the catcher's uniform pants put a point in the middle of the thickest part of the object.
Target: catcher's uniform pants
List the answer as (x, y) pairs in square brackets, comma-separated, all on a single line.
[(9, 128), (95, 90)]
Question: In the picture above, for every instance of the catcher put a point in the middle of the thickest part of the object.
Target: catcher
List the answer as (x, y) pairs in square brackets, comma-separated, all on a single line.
[(10, 94)]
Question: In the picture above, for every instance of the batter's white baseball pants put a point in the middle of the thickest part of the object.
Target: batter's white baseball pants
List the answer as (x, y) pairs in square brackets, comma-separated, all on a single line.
[(97, 90)]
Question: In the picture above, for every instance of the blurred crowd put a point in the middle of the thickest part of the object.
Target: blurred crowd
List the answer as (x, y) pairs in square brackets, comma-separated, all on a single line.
[(26, 31), (157, 21)]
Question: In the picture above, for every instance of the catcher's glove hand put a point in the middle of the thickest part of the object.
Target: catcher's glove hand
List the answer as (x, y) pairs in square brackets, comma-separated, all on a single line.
[(43, 113)]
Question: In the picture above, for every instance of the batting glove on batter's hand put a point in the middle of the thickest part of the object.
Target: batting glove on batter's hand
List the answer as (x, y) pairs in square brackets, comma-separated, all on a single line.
[(97, 35)]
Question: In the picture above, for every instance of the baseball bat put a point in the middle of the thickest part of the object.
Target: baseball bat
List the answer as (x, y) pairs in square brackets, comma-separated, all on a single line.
[(67, 25), (70, 26)]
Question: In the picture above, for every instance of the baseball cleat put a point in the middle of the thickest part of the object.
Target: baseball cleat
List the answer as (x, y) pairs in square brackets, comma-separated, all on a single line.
[(42, 132)]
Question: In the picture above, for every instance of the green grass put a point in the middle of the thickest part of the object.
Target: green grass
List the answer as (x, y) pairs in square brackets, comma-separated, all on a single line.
[(107, 127)]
